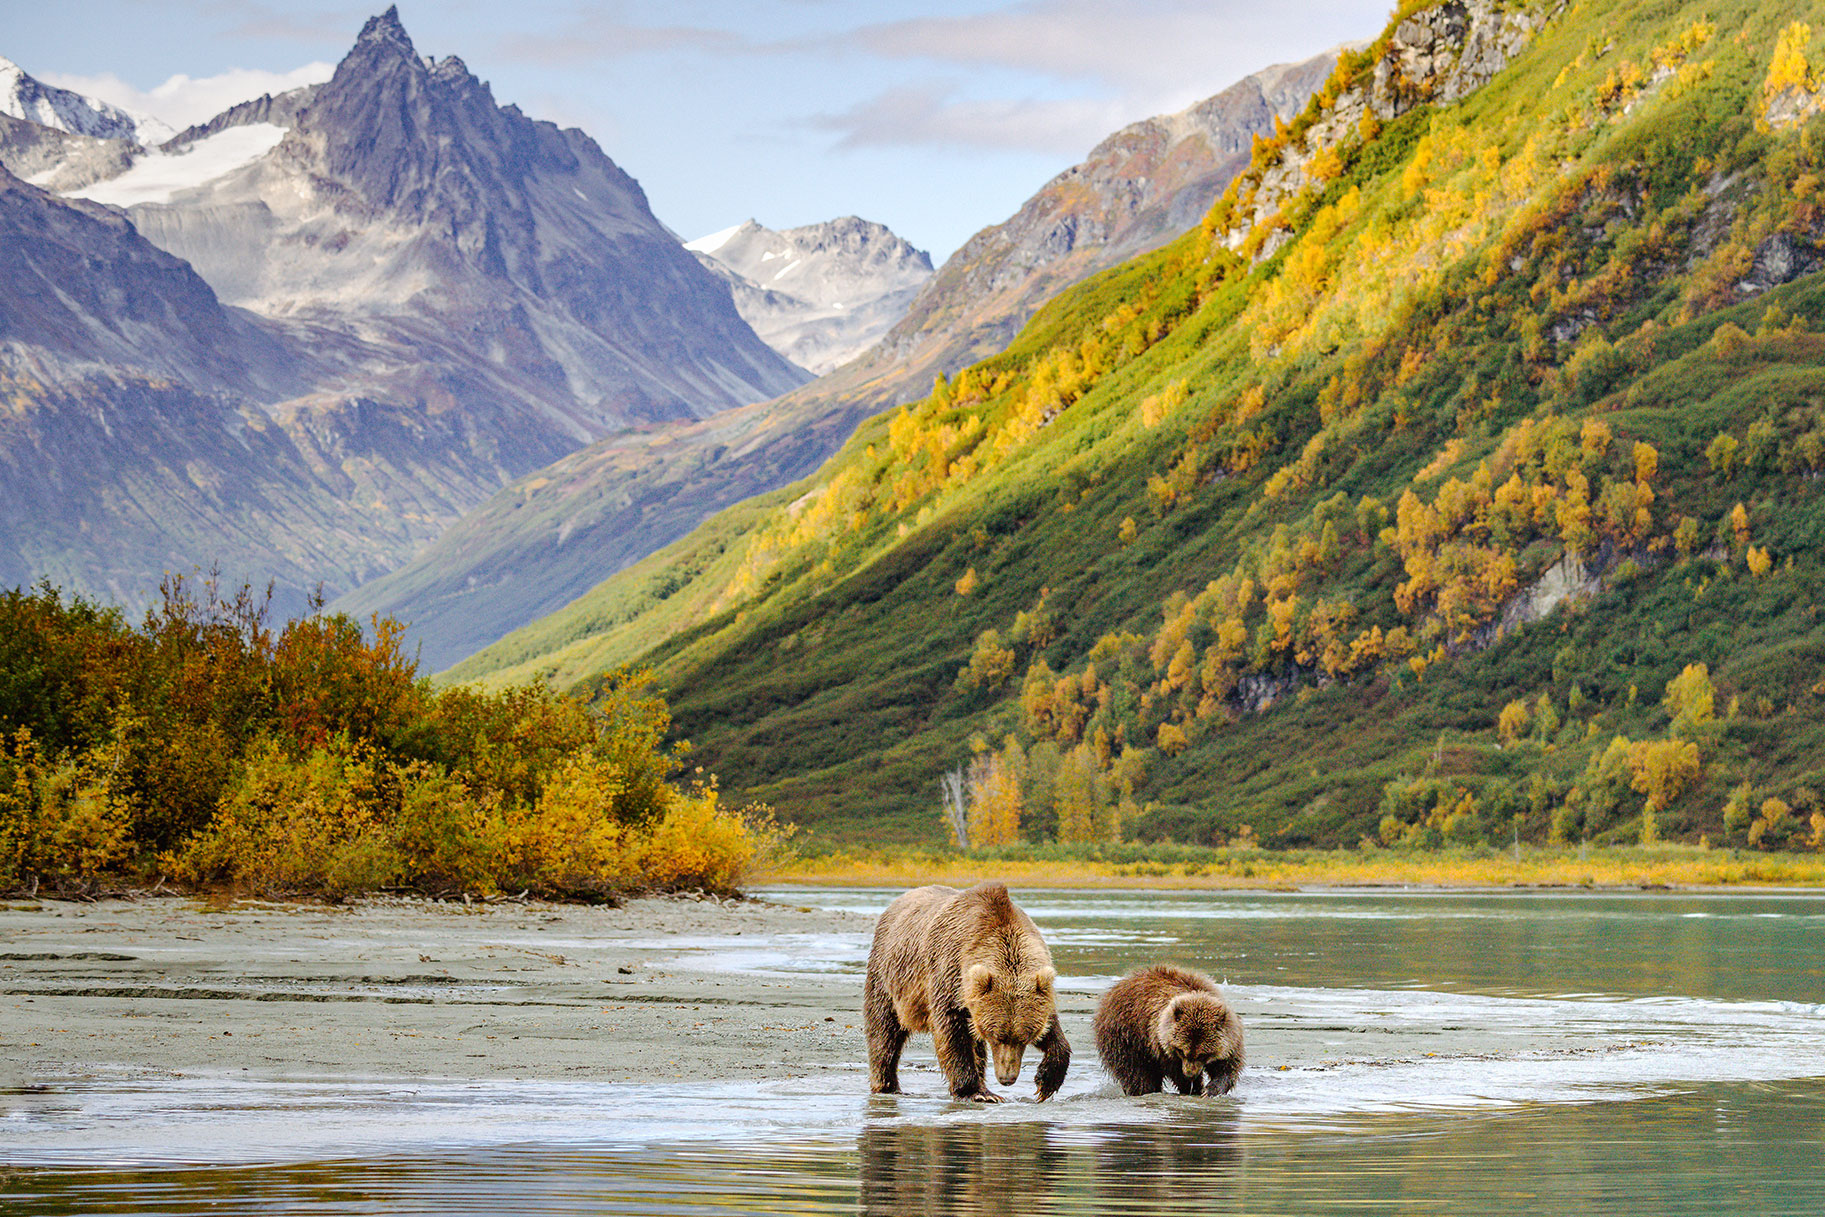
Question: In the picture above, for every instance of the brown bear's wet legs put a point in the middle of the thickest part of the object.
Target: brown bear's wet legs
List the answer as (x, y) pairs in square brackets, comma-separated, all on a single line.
[(1223, 1075), (1187, 1083), (1055, 1058), (886, 1037), (962, 1056)]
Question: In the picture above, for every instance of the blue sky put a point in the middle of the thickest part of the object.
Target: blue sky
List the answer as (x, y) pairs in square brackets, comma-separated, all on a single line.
[(935, 117)]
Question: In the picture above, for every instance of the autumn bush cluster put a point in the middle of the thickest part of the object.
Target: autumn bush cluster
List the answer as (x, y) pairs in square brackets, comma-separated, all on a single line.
[(207, 748)]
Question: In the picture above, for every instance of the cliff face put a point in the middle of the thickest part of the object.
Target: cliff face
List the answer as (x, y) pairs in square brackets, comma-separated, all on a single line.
[(80, 284)]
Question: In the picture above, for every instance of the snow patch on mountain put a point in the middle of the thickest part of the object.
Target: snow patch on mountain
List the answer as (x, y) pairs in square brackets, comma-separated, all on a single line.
[(716, 240), (157, 178)]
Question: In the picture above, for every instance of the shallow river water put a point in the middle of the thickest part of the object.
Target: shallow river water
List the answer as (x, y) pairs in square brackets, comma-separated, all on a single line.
[(1408, 1053)]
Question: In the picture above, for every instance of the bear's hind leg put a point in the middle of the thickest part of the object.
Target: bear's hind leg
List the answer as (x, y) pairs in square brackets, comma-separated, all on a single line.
[(1131, 1062), (886, 1037)]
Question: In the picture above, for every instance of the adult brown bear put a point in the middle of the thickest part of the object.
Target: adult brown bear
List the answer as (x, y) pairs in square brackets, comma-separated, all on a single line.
[(970, 968), (1165, 1024)]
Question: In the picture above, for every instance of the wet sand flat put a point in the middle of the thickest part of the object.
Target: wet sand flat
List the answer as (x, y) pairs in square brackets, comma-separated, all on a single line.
[(405, 988)]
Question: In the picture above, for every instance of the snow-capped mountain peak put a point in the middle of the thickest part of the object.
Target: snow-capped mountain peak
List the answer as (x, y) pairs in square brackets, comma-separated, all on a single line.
[(821, 294), (24, 96)]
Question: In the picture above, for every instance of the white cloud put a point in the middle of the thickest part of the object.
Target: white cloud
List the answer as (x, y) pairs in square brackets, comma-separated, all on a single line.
[(599, 36), (1134, 46), (185, 100), (934, 116), (1068, 72)]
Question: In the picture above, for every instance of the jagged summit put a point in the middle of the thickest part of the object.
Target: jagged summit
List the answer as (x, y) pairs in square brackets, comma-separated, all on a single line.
[(386, 28)]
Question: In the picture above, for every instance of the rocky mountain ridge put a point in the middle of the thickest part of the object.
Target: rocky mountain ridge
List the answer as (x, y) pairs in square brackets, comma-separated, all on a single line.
[(1142, 186)]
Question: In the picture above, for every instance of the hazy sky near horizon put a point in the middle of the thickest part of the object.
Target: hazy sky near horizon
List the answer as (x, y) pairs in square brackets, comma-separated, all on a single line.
[(934, 117)]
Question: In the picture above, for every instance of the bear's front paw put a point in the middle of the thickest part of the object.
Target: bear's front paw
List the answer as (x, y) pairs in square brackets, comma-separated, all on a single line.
[(983, 1096)]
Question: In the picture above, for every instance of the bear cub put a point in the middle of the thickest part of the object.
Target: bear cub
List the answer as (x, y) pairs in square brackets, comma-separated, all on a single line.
[(1164, 1024)]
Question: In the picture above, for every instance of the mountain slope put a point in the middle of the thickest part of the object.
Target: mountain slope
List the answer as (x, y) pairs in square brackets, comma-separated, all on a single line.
[(562, 530), (1457, 480), (425, 294), (134, 440), (822, 294)]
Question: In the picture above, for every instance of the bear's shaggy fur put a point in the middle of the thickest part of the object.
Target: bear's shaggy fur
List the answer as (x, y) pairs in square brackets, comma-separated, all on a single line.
[(970, 968), (1163, 1024)]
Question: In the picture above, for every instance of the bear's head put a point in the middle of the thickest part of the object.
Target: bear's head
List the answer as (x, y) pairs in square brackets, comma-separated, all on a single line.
[(1204, 1035), (1008, 1011)]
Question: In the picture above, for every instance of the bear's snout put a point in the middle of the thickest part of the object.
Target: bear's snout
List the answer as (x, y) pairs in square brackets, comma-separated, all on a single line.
[(1007, 1062)]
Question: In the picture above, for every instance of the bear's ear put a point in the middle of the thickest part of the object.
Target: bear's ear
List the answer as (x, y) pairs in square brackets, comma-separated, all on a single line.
[(977, 982), (1175, 1009), (1044, 979)]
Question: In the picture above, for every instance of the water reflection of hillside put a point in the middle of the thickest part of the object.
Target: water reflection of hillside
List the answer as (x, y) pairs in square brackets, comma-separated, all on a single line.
[(994, 1168)]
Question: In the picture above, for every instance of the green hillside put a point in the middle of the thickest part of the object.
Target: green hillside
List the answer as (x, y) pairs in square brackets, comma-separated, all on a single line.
[(1458, 479)]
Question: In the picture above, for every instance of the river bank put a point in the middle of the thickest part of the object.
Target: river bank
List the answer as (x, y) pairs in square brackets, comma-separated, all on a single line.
[(1191, 868), (413, 988)]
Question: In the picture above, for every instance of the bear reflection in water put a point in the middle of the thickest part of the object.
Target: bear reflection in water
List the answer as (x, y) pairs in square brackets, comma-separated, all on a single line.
[(993, 1168)]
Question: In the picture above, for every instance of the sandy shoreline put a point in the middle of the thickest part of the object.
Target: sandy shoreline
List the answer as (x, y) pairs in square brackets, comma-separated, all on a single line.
[(411, 989)]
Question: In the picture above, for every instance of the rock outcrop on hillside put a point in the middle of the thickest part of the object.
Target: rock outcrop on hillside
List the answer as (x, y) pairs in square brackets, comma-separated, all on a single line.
[(1438, 56)]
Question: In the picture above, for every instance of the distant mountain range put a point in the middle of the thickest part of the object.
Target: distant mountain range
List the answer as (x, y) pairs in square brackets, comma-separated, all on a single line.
[(551, 536), (330, 323), (822, 294)]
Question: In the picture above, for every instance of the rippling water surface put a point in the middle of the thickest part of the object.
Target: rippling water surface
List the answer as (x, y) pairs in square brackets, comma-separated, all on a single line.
[(1409, 1053)]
